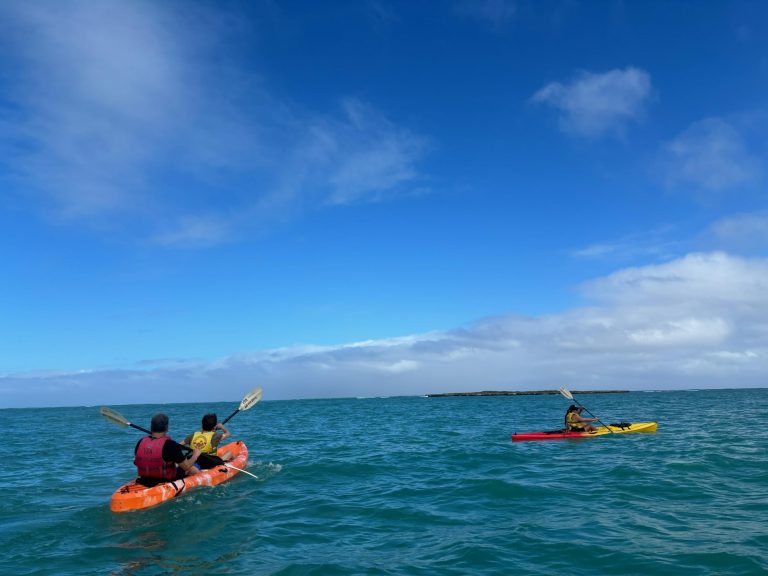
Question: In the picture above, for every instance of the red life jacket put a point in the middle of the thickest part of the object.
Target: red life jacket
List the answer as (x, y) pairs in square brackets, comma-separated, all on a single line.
[(149, 459)]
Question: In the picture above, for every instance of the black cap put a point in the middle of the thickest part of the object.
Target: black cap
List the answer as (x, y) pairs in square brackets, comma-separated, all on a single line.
[(159, 423)]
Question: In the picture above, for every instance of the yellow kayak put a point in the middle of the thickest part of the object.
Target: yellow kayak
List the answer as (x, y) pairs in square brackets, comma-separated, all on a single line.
[(623, 428)]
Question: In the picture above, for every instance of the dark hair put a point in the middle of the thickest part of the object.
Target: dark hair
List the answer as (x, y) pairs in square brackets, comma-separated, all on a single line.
[(209, 422), (571, 408), (159, 423)]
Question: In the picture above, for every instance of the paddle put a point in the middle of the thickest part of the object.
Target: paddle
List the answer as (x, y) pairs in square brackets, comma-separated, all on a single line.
[(248, 402), (564, 391), (119, 419), (240, 470)]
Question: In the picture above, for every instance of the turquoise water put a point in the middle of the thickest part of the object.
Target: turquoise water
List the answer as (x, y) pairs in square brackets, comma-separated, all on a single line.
[(410, 485)]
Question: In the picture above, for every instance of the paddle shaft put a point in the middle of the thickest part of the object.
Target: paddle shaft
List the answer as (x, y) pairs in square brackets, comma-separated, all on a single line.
[(593, 416), (183, 447), (228, 465), (228, 418), (186, 448), (137, 427), (248, 402)]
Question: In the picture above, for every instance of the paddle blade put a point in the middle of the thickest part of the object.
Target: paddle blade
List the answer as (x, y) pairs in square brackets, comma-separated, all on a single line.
[(114, 417), (566, 393), (250, 399)]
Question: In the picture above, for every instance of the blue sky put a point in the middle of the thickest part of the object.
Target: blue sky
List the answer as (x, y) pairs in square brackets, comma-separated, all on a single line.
[(373, 198)]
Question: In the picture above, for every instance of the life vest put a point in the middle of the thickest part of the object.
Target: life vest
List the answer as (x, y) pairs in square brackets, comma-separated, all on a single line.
[(149, 459), (572, 422), (203, 441)]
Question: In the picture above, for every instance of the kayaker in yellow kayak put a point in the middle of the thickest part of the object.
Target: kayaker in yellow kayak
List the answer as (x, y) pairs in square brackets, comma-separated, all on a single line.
[(575, 422), (207, 441)]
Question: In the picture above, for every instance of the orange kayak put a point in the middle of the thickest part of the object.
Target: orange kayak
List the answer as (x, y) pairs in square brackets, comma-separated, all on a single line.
[(133, 496)]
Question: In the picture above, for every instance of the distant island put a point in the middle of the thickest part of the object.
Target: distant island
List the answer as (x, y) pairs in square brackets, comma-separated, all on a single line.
[(522, 393)]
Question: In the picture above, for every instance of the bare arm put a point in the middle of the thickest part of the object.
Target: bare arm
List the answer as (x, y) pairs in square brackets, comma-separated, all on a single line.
[(226, 434), (581, 418), (188, 464)]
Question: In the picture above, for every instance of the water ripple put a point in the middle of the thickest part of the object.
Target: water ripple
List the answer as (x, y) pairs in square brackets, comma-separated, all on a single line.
[(407, 486)]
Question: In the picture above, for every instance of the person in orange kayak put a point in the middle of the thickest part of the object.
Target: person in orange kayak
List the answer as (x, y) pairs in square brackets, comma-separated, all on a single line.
[(207, 441), (160, 459), (575, 422)]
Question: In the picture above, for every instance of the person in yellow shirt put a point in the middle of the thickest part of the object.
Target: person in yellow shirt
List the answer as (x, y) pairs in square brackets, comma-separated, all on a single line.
[(207, 441), (575, 422)]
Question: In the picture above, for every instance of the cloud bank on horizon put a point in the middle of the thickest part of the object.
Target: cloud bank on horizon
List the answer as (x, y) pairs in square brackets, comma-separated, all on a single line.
[(699, 321), (210, 185)]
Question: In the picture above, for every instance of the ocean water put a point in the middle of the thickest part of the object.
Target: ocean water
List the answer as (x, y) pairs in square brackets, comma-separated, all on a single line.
[(407, 485)]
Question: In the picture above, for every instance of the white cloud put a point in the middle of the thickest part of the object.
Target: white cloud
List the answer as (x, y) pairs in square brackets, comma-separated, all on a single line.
[(698, 321), (689, 331), (140, 112), (710, 155), (596, 104), (697, 280)]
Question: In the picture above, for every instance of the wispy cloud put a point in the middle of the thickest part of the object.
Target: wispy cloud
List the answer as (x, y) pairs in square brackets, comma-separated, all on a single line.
[(596, 104), (744, 232), (697, 321), (496, 12), (710, 155), (141, 111), (381, 11), (194, 231), (658, 243), (98, 89), (359, 157)]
